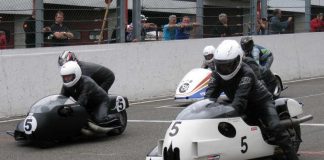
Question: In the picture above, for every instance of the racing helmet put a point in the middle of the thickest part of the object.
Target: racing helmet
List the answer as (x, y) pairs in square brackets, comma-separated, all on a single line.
[(247, 44), (209, 53), (228, 59), (66, 56), (71, 73)]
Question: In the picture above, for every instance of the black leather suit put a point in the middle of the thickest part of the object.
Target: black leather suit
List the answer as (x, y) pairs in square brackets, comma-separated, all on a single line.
[(103, 76), (89, 95)]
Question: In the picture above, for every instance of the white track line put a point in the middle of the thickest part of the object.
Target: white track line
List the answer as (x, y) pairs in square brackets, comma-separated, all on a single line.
[(313, 124), (150, 121), (11, 120), (158, 100), (312, 95), (169, 106), (302, 80)]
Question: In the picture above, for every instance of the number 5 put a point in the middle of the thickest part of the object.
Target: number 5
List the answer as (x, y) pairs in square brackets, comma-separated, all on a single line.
[(244, 144), (175, 128), (28, 125)]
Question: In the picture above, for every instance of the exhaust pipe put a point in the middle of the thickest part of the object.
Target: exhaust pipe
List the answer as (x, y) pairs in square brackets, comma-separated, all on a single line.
[(99, 129), (293, 122), (87, 132)]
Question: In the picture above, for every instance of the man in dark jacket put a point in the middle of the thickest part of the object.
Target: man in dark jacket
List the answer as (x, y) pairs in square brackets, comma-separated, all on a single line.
[(248, 95), (103, 76), (222, 29), (277, 26), (85, 91), (29, 28), (61, 33)]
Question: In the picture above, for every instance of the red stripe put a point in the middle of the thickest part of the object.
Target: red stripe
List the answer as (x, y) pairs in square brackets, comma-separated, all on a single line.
[(203, 81)]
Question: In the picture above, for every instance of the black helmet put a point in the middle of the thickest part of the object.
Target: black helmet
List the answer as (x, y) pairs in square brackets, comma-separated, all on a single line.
[(65, 57), (247, 44)]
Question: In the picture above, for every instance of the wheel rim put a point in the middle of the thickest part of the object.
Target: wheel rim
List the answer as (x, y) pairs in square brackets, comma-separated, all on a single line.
[(277, 90)]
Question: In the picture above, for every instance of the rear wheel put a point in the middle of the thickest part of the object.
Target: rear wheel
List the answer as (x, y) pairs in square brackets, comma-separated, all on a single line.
[(295, 137)]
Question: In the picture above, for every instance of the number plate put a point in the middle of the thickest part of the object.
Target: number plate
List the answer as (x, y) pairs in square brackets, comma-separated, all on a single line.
[(30, 124)]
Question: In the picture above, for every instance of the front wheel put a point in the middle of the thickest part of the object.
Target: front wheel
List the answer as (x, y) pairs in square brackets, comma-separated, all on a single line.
[(277, 90), (123, 123)]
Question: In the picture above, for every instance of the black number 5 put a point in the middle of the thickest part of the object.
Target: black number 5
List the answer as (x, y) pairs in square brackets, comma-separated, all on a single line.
[(175, 129), (28, 125), (244, 144)]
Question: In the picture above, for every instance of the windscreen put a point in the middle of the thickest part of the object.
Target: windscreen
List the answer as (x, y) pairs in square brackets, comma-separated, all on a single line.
[(204, 109), (49, 102)]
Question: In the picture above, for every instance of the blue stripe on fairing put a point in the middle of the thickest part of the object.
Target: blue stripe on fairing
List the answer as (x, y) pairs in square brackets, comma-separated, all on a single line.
[(200, 94)]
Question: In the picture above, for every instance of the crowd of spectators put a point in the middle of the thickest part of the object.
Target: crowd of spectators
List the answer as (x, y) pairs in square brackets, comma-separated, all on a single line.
[(176, 28)]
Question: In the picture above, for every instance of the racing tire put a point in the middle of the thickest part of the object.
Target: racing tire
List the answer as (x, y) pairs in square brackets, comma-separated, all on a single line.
[(277, 91), (123, 123), (296, 140)]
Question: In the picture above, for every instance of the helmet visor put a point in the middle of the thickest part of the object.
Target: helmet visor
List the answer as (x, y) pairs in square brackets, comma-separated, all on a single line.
[(247, 46), (68, 78), (226, 67), (208, 57)]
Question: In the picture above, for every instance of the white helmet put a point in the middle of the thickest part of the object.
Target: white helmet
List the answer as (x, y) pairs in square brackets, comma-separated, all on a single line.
[(209, 53), (228, 59), (71, 73)]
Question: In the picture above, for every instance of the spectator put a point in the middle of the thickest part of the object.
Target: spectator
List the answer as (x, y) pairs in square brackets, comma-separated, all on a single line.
[(61, 33), (146, 27), (184, 28), (6, 35), (262, 25), (277, 27), (29, 28), (317, 24), (128, 30), (3, 40), (222, 28), (169, 30)]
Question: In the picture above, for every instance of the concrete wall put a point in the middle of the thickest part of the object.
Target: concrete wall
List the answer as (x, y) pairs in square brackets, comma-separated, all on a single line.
[(143, 70)]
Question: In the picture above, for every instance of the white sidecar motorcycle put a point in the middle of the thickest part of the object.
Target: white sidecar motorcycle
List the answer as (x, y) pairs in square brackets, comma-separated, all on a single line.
[(193, 86), (202, 131)]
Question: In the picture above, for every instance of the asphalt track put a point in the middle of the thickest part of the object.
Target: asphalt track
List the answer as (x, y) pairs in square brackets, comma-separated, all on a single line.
[(148, 122)]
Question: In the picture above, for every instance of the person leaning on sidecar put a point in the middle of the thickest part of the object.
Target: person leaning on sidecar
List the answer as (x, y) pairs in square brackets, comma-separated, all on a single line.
[(208, 57), (247, 95), (103, 76), (86, 92), (263, 58)]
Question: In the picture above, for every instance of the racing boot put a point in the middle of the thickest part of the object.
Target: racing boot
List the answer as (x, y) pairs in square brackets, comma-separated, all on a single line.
[(110, 120)]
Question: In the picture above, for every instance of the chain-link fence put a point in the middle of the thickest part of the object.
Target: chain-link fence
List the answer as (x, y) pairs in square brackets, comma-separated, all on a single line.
[(143, 20)]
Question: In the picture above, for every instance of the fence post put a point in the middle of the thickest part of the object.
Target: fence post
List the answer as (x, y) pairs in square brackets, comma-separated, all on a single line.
[(253, 20), (136, 19), (199, 17), (307, 15), (264, 9), (39, 17), (120, 34)]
